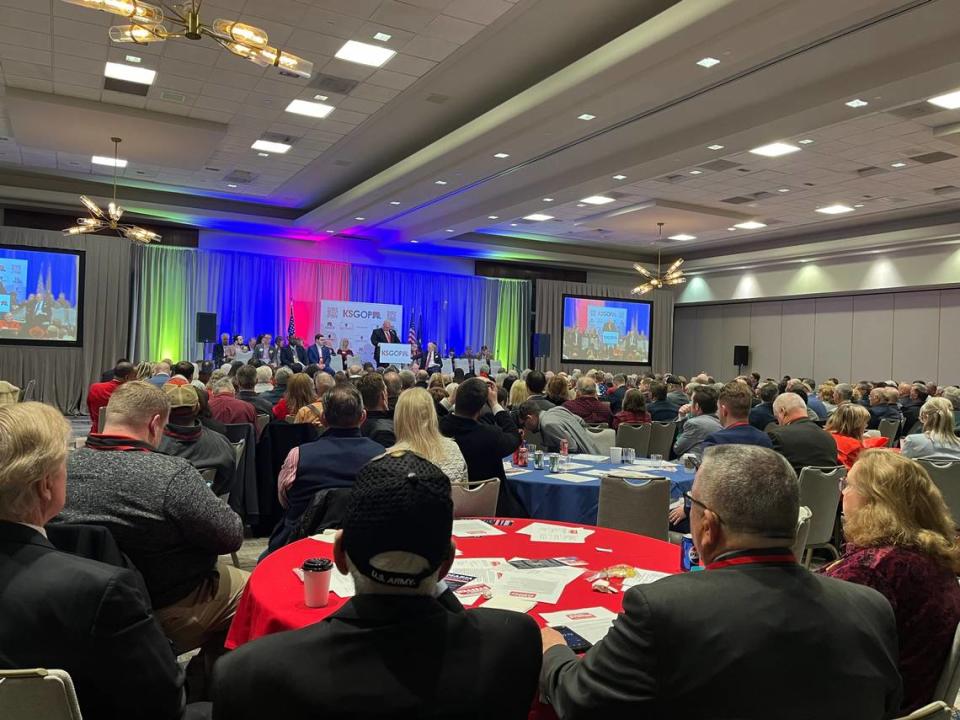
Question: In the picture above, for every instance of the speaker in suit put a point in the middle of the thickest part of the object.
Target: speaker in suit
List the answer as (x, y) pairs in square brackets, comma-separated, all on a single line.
[(432, 362), (287, 356), (315, 352), (91, 619), (804, 444), (382, 335)]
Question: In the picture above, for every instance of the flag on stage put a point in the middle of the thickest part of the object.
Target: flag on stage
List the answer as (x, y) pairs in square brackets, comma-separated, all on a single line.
[(412, 335), (291, 326)]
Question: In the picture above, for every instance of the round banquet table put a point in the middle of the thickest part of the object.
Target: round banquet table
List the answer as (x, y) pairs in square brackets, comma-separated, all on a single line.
[(546, 497), (273, 599)]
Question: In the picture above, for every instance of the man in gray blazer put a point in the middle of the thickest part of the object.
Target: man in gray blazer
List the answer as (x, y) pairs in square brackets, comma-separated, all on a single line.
[(754, 636), (701, 422)]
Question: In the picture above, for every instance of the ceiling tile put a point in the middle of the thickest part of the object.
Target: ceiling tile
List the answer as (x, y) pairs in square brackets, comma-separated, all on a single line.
[(310, 43), (452, 29), (403, 16), (329, 23), (366, 91), (15, 52), (387, 78), (25, 38), (28, 83), (16, 18), (478, 11), (430, 48), (410, 65), (359, 105)]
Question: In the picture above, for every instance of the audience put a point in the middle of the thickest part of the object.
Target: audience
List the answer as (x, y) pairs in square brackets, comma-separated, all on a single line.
[(587, 405), (847, 425), (313, 413), (298, 395), (661, 409), (226, 408), (733, 409), (518, 394), (161, 373), (98, 394), (332, 461), (558, 424), (754, 636), (911, 407), (391, 379), (952, 393), (901, 542), (275, 393), (700, 422), (761, 415), (675, 394), (558, 390), (798, 438), (203, 448), (379, 423), (536, 386), (634, 409), (264, 376), (401, 648), (163, 516), (417, 429), (616, 391), (883, 405), (246, 378), (938, 441)]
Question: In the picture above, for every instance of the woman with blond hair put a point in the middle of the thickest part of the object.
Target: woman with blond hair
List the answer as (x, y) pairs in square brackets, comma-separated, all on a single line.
[(938, 441), (901, 541), (518, 394), (847, 425), (416, 428)]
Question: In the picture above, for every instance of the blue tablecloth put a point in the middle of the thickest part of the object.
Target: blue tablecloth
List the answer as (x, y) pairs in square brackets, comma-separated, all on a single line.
[(547, 498)]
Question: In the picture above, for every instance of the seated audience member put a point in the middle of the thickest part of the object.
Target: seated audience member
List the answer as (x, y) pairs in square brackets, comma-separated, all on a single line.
[(161, 374), (555, 425), (587, 405), (661, 409), (699, 423), (163, 517), (226, 408), (276, 391), (518, 394), (812, 399), (952, 393), (407, 380), (107, 374), (762, 415), (417, 429), (246, 378), (98, 395), (847, 425), (801, 441), (911, 407), (379, 423), (733, 408), (299, 394), (558, 390), (825, 393), (484, 445), (332, 461), (861, 393), (615, 392), (634, 409), (182, 373), (842, 393), (203, 448), (422, 378), (536, 386), (264, 376), (675, 394), (401, 648), (938, 441), (732, 641), (313, 413), (883, 406), (391, 379), (204, 371), (901, 542), (64, 611)]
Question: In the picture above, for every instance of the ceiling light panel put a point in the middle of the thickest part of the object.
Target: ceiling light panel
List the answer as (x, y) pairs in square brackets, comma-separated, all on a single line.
[(597, 200), (682, 237), (586, 116), (539, 217), (501, 155), (108, 161), (750, 225), (856, 103), (364, 53), (310, 109), (714, 147), (270, 147), (836, 209), (950, 101), (140, 75), (777, 149), (708, 62)]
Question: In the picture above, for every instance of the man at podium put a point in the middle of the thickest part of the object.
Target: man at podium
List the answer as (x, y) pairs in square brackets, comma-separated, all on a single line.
[(383, 334)]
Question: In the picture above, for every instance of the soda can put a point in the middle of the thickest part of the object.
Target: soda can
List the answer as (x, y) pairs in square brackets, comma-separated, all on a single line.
[(564, 447), (689, 557), (522, 456), (538, 459)]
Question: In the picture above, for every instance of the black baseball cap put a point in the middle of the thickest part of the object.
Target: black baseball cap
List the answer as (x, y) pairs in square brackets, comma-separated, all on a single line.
[(399, 503)]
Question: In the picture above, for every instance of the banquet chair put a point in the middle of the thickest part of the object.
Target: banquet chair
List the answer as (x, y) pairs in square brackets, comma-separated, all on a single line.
[(101, 420), (475, 499), (37, 693), (946, 476), (29, 391), (603, 439), (640, 508), (208, 475), (598, 426), (803, 531), (820, 491), (888, 428), (934, 711), (634, 436), (262, 422), (661, 438)]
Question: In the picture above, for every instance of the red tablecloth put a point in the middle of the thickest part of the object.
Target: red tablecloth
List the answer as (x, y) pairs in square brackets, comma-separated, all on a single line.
[(273, 599)]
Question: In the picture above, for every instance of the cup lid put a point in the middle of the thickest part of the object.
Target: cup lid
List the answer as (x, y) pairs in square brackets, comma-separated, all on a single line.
[(317, 565)]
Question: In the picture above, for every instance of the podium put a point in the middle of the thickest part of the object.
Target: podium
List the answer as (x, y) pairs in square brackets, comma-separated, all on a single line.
[(394, 354)]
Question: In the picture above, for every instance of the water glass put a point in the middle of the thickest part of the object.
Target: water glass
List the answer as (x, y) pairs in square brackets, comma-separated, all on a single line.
[(616, 455), (656, 460), (629, 455)]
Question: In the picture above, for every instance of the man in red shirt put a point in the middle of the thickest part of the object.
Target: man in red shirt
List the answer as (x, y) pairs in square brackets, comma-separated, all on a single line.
[(98, 395), (228, 409), (587, 405)]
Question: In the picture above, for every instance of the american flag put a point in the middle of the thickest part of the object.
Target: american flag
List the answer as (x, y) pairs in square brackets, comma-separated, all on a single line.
[(412, 335), (291, 326)]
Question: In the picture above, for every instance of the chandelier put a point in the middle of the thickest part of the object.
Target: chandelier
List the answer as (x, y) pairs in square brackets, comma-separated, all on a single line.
[(673, 275), (147, 26), (100, 220)]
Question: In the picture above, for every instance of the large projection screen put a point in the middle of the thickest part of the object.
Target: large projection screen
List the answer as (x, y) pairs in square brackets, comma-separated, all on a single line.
[(606, 330)]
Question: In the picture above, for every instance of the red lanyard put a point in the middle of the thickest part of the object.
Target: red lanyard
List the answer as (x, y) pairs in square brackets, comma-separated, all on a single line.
[(753, 560)]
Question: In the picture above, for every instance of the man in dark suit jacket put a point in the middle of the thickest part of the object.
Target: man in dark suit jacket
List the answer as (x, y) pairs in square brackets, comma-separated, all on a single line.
[(401, 648), (384, 334), (219, 350), (730, 642), (883, 405), (762, 415), (299, 351), (287, 354), (536, 384), (315, 352), (801, 441), (733, 406), (661, 409)]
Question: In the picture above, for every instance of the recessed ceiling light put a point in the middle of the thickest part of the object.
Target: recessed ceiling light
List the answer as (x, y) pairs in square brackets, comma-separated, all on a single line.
[(682, 236), (320, 97), (501, 156), (597, 200), (263, 154), (493, 217), (858, 205), (714, 147), (108, 161), (414, 241), (394, 202), (731, 229), (856, 103), (696, 172), (548, 199), (231, 185), (133, 59), (449, 230), (783, 190), (383, 37), (538, 217), (950, 101), (806, 141), (269, 146), (330, 231), (119, 71), (359, 218), (898, 164), (619, 177), (439, 182), (364, 54), (581, 205), (750, 225), (708, 62), (310, 109), (586, 116), (775, 149), (836, 209)]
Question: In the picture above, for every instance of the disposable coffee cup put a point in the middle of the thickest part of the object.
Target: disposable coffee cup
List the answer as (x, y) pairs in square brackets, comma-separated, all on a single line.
[(316, 582), (616, 454)]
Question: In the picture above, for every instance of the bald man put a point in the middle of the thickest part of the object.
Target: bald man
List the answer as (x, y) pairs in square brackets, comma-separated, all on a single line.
[(800, 440)]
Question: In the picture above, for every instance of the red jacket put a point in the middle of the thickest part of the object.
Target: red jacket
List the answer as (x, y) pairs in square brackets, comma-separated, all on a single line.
[(591, 409), (97, 398), (848, 448), (626, 416), (229, 410)]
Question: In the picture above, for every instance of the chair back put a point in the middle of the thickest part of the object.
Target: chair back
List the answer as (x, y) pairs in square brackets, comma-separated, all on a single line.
[(598, 426), (208, 475), (603, 440), (475, 499), (37, 693), (238, 449), (803, 531), (932, 711), (820, 492), (262, 422), (634, 436), (661, 438), (946, 476), (29, 391), (637, 507), (102, 420), (889, 428)]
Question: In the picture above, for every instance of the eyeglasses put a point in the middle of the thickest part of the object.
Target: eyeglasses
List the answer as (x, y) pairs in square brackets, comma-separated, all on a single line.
[(692, 500)]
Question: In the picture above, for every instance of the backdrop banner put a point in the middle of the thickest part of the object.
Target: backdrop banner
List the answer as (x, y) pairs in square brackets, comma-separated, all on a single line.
[(355, 321)]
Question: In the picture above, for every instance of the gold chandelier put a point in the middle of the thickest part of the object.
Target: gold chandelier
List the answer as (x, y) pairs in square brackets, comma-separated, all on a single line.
[(100, 220), (146, 26), (673, 275)]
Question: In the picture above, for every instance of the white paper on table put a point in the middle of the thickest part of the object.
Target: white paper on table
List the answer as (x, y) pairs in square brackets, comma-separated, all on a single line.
[(643, 577), (472, 566), (576, 466), (570, 477), (592, 624), (545, 532), (326, 536), (472, 527), (512, 472), (340, 584), (590, 458), (536, 584), (509, 603), (632, 474), (596, 473)]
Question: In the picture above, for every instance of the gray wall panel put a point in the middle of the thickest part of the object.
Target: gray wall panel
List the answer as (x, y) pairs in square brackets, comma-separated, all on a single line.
[(765, 321), (796, 337), (916, 334), (832, 346), (948, 372)]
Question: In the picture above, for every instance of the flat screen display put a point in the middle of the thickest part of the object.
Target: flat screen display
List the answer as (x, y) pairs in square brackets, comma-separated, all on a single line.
[(41, 296), (604, 330)]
